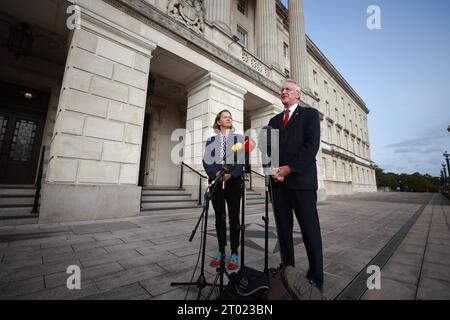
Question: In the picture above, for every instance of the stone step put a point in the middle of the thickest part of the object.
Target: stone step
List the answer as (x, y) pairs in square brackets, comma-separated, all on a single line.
[(160, 201), (255, 202), (169, 207), (15, 208), (254, 193), (148, 192), (17, 199), (163, 188), (171, 204), (191, 211), (256, 196), (18, 215), (17, 191), (166, 198)]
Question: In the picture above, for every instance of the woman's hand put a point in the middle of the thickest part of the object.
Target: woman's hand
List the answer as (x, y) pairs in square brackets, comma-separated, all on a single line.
[(226, 177)]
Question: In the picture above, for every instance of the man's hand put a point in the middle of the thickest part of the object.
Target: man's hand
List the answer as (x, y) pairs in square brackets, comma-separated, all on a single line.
[(278, 174)]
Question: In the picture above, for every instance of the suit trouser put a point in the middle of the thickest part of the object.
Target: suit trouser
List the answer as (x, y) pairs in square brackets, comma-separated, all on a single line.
[(232, 195), (304, 205)]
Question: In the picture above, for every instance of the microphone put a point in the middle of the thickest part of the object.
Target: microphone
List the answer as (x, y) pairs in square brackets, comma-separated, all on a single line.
[(249, 145), (230, 161)]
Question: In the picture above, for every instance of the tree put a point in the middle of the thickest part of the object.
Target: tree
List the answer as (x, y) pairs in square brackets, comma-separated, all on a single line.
[(415, 182)]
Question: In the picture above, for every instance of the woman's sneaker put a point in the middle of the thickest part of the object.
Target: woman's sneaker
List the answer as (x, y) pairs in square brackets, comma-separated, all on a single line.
[(215, 262), (233, 264)]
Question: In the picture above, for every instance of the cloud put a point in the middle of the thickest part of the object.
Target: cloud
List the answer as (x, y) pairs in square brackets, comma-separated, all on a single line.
[(407, 150), (424, 141), (418, 150)]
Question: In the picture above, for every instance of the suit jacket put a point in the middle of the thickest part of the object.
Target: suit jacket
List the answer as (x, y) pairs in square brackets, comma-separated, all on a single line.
[(298, 146), (213, 163)]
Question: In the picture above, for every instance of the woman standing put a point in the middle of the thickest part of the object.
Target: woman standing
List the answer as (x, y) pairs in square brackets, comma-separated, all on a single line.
[(218, 148)]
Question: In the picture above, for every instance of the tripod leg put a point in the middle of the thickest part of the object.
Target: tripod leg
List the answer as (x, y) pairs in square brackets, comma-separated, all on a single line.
[(218, 275)]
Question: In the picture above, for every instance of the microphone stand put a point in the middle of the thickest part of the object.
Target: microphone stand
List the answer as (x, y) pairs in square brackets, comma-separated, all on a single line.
[(201, 282)]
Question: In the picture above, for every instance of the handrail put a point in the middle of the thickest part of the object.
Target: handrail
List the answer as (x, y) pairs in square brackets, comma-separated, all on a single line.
[(257, 173), (200, 180), (251, 179), (197, 172), (38, 184)]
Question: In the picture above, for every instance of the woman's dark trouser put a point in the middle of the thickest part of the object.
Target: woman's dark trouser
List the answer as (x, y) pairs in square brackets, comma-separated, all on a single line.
[(232, 195)]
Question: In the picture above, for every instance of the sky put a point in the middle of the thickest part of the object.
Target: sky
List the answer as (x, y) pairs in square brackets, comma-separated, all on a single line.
[(401, 71)]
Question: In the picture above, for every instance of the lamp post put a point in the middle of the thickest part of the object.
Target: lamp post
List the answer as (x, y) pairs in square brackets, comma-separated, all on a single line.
[(446, 155), (445, 172)]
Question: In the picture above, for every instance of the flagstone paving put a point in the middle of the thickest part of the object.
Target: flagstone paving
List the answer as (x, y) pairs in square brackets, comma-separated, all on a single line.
[(138, 258)]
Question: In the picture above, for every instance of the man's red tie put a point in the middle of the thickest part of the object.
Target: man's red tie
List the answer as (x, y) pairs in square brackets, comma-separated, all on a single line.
[(286, 117)]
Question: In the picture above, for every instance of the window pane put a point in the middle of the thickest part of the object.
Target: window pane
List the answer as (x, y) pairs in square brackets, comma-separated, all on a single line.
[(23, 140)]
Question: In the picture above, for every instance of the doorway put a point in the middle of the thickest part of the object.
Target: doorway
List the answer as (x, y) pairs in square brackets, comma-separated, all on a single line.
[(22, 121)]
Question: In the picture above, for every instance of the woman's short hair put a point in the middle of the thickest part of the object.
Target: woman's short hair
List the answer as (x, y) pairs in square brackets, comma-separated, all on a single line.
[(215, 125)]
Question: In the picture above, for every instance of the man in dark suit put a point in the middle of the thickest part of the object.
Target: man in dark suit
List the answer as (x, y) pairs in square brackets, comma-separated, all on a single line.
[(295, 181)]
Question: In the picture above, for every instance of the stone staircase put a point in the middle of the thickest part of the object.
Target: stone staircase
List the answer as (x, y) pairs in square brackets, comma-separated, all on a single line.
[(159, 200), (16, 201)]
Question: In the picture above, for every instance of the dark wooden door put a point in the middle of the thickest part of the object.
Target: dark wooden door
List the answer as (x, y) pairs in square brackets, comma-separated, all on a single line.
[(22, 120)]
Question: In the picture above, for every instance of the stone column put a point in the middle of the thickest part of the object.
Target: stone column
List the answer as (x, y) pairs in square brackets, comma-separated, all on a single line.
[(208, 96), (219, 12), (266, 31), (95, 151), (297, 44), (299, 69)]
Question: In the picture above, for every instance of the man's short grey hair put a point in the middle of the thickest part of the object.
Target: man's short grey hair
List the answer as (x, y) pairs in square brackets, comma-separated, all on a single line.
[(297, 87)]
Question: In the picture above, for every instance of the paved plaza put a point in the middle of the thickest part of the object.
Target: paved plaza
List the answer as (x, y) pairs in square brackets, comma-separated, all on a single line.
[(407, 235)]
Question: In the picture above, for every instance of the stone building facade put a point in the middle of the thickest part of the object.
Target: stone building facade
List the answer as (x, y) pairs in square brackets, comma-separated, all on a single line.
[(113, 79)]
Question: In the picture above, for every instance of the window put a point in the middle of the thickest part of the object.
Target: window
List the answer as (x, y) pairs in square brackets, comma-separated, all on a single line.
[(329, 135), (336, 115), (242, 6), (325, 85), (328, 108), (315, 76), (285, 50), (335, 170), (345, 171), (242, 35), (335, 94), (339, 141)]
